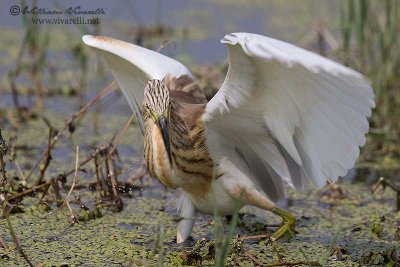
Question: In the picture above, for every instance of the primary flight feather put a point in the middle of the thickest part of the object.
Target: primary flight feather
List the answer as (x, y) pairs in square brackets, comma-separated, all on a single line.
[(283, 114)]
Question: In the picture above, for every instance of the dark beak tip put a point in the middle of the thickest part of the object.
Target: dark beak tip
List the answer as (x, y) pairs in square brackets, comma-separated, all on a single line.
[(163, 124)]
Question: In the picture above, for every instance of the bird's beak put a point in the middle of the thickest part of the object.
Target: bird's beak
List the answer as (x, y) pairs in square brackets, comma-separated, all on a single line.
[(163, 124)]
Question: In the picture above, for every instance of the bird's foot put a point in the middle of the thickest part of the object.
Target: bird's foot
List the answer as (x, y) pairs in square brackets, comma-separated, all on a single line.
[(288, 223)]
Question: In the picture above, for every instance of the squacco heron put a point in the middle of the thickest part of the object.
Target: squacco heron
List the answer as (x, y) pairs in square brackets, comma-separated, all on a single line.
[(282, 115)]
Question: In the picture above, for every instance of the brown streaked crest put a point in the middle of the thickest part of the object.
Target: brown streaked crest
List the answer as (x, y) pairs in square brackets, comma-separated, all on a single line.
[(156, 96)]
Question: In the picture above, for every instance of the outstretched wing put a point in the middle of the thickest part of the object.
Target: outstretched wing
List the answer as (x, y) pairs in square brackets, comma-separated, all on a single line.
[(132, 66), (287, 113)]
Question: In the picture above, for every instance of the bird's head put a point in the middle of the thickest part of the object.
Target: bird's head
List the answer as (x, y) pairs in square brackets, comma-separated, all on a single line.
[(158, 105)]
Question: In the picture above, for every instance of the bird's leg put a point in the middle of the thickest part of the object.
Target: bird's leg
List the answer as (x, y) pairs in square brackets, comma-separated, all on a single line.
[(288, 222), (187, 213), (258, 199)]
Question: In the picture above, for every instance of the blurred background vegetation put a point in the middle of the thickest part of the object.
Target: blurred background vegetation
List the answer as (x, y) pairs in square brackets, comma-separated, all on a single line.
[(370, 34)]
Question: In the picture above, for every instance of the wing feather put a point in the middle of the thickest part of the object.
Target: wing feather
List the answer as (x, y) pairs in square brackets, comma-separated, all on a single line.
[(132, 66), (303, 115)]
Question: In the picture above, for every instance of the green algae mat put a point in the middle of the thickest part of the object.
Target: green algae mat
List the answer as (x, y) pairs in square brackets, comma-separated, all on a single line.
[(349, 228)]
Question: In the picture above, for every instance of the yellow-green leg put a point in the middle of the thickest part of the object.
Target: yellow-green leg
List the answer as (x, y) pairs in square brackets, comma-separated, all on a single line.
[(288, 222), (259, 199)]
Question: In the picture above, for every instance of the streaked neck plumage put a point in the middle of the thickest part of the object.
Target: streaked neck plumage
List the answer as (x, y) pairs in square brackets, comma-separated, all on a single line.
[(192, 167)]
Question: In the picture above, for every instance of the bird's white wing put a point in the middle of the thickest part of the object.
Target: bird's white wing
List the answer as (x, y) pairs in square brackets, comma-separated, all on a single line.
[(287, 113), (132, 66)]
